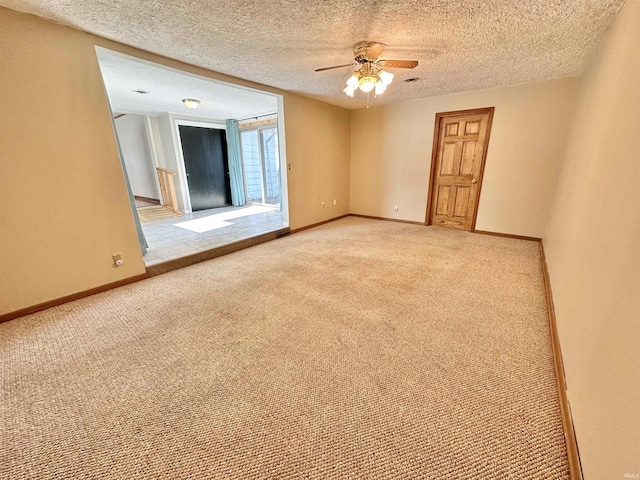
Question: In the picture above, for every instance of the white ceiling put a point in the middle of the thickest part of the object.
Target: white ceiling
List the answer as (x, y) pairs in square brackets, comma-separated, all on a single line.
[(462, 45), (122, 75)]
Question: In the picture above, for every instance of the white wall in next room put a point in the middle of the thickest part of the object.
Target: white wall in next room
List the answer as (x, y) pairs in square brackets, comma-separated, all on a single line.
[(137, 157)]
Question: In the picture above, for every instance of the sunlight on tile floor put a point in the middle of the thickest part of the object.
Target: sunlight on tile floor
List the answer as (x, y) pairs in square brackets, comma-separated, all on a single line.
[(177, 237)]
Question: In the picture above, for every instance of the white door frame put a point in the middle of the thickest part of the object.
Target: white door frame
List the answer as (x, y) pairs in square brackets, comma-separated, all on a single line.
[(284, 183)]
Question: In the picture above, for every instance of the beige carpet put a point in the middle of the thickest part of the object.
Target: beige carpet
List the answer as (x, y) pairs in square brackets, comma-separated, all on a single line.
[(361, 349)]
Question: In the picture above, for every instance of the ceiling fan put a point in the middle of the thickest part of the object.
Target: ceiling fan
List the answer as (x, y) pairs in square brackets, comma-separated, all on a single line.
[(371, 74)]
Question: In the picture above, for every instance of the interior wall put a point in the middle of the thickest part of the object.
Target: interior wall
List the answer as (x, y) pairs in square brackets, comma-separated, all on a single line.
[(319, 133), (64, 205), (391, 154), (134, 143), (593, 255), (62, 189), (154, 134)]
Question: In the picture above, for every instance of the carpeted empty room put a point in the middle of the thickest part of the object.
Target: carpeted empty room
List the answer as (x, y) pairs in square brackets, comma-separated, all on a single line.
[(358, 349)]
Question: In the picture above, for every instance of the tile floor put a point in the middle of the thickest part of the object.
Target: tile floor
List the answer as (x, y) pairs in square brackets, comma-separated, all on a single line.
[(177, 237)]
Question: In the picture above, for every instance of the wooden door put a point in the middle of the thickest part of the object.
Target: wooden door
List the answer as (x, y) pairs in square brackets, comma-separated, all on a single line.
[(205, 160), (459, 152)]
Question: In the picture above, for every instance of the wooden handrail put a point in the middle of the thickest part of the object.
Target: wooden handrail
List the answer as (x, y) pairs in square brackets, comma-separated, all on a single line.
[(165, 177)]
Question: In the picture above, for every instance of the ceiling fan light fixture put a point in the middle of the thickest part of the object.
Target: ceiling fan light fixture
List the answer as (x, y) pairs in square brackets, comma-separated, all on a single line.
[(370, 74), (191, 103), (367, 83), (385, 77)]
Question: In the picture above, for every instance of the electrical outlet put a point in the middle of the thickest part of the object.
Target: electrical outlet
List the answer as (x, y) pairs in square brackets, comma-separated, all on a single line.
[(323, 204), (117, 259), (335, 202), (395, 209)]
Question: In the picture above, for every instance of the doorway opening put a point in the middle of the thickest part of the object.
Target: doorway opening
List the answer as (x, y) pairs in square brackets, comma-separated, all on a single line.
[(193, 173)]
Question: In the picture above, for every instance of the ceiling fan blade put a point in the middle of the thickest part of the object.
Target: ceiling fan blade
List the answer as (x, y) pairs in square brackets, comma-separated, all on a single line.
[(398, 63), (375, 50), (337, 66)]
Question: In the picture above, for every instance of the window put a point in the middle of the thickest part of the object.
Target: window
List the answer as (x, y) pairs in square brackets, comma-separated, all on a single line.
[(261, 163)]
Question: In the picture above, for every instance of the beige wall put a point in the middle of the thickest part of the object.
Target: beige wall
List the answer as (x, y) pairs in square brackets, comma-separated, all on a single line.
[(63, 203), (391, 154), (318, 135), (593, 251)]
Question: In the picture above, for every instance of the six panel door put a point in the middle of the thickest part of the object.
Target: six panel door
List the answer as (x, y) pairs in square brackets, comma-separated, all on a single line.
[(461, 144)]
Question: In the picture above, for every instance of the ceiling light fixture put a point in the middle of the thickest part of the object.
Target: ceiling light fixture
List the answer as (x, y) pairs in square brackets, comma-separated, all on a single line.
[(191, 103), (369, 77)]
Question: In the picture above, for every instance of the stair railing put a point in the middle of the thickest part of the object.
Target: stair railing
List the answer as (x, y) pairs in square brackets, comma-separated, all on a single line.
[(165, 177)]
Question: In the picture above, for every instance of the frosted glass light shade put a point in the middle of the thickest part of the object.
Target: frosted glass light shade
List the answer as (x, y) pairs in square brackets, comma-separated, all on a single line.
[(353, 81), (367, 83), (380, 88), (191, 103), (385, 77)]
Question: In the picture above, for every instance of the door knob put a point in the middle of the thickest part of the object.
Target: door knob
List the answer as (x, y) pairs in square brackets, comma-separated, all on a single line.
[(474, 181)]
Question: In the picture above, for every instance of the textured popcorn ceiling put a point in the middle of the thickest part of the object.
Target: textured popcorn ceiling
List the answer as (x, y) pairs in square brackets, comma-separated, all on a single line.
[(167, 88), (462, 45)]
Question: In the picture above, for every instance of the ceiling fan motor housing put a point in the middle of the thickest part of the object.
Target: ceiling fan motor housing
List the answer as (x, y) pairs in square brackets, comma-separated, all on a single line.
[(361, 50)]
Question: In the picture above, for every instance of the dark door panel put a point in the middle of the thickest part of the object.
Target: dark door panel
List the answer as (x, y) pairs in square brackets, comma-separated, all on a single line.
[(205, 159)]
